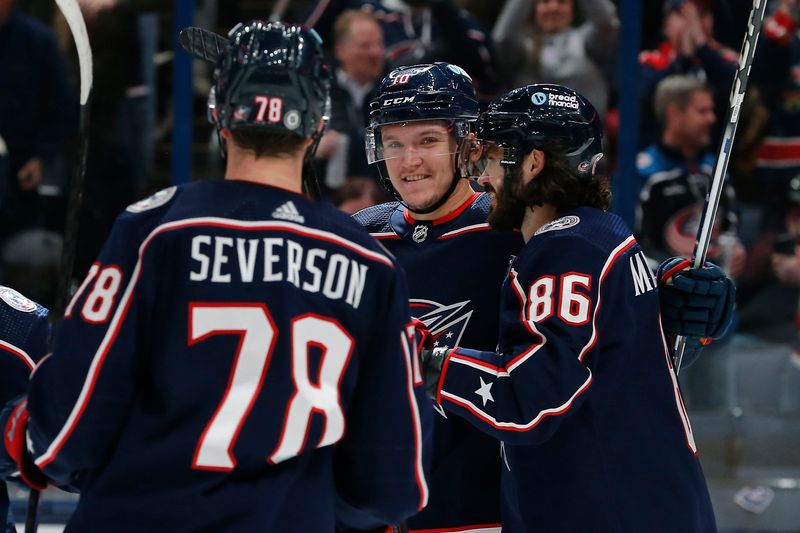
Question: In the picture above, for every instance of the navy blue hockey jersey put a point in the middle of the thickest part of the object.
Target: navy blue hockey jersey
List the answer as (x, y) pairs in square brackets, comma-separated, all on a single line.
[(23, 341), (455, 266), (237, 359), (582, 392)]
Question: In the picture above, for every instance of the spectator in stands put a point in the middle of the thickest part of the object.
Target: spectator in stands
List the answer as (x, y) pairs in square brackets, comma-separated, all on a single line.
[(786, 252), (675, 175), (424, 31), (688, 48), (38, 112), (778, 159), (541, 44), (360, 62)]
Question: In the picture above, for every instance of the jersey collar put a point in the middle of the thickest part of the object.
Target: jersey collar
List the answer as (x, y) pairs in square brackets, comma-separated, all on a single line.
[(445, 218)]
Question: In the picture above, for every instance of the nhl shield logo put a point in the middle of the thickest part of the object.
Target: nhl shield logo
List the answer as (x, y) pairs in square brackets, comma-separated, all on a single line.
[(420, 233)]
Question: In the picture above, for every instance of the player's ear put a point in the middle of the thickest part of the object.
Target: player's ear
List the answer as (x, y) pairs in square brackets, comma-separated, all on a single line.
[(533, 164)]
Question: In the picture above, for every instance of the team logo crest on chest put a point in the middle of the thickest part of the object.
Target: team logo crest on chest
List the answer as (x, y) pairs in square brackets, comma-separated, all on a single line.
[(420, 233)]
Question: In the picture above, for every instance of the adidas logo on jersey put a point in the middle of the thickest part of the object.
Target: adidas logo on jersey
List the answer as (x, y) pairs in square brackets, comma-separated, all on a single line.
[(288, 211)]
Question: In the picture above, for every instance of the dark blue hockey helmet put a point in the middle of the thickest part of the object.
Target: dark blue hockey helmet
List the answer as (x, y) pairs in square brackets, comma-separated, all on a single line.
[(436, 91), (424, 92), (545, 116), (273, 78)]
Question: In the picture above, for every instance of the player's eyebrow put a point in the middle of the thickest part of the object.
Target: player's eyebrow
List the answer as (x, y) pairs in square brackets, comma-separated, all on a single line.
[(434, 131), (429, 131)]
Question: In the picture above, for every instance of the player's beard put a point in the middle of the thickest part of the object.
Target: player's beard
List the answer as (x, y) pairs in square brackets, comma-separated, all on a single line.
[(508, 210)]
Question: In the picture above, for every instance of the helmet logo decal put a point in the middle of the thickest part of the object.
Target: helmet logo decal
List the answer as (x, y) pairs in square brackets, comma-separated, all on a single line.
[(556, 100), (420, 233), (564, 100), (399, 100), (241, 113), (458, 70), (292, 120), (270, 109)]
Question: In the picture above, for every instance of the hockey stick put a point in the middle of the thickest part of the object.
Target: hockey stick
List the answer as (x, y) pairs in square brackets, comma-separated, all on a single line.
[(72, 13), (278, 10), (721, 167)]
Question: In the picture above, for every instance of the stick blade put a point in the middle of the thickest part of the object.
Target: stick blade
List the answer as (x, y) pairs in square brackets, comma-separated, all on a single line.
[(203, 44)]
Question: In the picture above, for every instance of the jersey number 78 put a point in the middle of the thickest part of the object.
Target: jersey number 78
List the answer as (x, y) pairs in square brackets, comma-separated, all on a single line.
[(256, 328)]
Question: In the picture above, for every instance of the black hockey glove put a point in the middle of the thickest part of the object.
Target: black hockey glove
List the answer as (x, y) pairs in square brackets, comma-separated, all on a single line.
[(695, 302), (432, 361)]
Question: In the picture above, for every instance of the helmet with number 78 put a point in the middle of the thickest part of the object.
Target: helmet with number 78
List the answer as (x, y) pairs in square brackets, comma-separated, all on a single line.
[(272, 77)]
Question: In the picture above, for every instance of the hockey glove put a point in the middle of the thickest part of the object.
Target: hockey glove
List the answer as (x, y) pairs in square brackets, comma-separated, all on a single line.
[(432, 362), (15, 415), (695, 302), (424, 337)]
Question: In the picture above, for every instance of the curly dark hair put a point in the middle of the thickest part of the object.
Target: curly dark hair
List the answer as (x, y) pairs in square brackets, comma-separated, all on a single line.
[(557, 185)]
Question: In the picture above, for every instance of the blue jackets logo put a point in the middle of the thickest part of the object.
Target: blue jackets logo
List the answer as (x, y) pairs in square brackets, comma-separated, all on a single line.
[(446, 323), (16, 300), (559, 224)]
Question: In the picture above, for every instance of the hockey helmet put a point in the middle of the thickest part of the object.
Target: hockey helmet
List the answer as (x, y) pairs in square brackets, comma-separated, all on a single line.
[(273, 78), (545, 116)]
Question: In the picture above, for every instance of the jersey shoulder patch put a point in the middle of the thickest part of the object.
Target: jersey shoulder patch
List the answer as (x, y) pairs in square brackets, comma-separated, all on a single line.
[(559, 224), (151, 202), (17, 300)]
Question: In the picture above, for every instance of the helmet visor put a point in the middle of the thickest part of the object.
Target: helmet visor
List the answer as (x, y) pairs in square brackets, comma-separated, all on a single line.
[(414, 139), (488, 158)]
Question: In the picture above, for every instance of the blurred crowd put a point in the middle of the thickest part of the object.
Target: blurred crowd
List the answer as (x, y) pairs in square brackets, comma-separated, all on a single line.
[(689, 56)]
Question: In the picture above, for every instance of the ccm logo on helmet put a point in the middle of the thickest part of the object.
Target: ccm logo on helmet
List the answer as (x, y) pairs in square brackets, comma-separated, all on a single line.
[(399, 100)]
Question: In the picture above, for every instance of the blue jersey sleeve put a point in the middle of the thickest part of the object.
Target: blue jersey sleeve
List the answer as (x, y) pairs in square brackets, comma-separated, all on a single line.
[(388, 427), (522, 393), (80, 394), (23, 341)]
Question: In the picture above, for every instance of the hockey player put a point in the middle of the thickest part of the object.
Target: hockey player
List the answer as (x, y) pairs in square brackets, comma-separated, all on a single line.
[(581, 390), (420, 122), (229, 334), (419, 137), (23, 330)]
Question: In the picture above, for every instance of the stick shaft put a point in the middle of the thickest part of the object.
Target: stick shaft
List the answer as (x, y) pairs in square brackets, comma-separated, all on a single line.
[(738, 90)]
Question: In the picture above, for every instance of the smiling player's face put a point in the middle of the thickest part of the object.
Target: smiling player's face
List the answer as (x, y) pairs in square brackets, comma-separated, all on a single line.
[(419, 159)]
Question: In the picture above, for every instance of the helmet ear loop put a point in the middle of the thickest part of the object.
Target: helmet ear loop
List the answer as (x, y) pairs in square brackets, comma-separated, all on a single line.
[(310, 181), (212, 114)]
